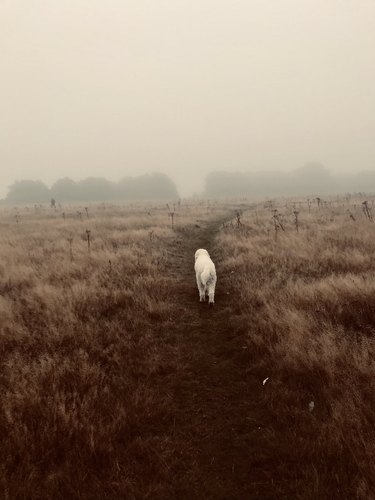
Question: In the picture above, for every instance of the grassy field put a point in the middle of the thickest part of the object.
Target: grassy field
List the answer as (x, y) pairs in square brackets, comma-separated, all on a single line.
[(305, 306), (116, 383)]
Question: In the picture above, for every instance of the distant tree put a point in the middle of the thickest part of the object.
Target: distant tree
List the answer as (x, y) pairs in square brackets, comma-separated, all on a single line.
[(309, 179), (64, 190), (146, 187), (95, 189), (246, 183), (160, 186), (312, 178), (27, 191)]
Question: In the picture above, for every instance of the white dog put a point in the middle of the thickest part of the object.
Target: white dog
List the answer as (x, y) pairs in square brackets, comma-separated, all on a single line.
[(206, 275)]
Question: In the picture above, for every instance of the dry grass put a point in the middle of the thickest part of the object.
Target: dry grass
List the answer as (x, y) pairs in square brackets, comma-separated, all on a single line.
[(305, 305), (84, 350), (89, 348)]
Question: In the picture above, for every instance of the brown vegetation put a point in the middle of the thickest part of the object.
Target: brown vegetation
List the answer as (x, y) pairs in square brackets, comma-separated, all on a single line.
[(116, 383), (305, 302)]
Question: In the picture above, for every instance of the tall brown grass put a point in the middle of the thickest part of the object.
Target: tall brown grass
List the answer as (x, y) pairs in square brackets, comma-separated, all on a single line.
[(83, 350), (88, 345), (304, 303)]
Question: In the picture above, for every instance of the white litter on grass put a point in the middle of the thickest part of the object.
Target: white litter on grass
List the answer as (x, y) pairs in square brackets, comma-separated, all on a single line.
[(311, 405), (265, 381)]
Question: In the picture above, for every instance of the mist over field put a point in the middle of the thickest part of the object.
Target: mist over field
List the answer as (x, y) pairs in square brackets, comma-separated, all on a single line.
[(187, 241), (115, 89)]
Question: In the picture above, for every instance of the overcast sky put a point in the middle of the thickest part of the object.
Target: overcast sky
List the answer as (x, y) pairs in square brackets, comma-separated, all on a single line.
[(120, 87)]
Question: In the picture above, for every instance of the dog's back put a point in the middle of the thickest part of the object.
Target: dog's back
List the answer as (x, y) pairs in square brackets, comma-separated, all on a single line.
[(205, 274)]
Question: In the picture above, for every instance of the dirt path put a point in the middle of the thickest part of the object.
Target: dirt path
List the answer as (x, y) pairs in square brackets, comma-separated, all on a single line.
[(218, 418)]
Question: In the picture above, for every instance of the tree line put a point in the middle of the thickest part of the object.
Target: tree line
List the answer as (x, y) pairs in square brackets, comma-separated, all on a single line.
[(146, 187), (313, 178)]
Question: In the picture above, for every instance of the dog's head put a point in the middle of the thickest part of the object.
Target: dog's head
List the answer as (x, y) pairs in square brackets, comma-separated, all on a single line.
[(201, 251)]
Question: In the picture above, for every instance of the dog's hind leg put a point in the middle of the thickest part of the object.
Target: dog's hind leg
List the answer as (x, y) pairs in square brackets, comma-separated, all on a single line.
[(201, 289), (211, 292)]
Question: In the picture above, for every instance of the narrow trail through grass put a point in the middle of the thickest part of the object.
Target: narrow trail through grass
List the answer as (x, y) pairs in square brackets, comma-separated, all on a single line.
[(218, 421)]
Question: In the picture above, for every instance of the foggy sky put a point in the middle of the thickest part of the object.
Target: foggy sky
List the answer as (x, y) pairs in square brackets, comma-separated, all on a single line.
[(120, 87)]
